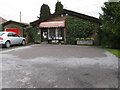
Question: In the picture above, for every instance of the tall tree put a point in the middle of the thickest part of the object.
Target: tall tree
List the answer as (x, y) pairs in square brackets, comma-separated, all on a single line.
[(58, 7), (110, 29), (44, 11)]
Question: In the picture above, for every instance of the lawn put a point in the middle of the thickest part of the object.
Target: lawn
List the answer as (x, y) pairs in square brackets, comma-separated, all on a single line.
[(114, 51)]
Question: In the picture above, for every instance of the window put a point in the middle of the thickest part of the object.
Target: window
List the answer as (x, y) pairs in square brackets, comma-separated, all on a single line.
[(51, 33), (1, 33), (60, 33), (12, 35), (55, 33)]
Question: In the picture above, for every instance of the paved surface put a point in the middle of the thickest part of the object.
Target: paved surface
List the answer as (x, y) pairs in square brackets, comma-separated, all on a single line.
[(59, 66)]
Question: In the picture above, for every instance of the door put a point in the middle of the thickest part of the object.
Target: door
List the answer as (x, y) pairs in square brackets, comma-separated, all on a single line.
[(44, 35), (17, 38)]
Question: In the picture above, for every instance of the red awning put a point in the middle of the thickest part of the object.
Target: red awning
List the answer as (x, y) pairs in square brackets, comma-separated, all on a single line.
[(52, 24)]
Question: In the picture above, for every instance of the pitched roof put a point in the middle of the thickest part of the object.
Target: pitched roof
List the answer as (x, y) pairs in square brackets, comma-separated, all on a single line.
[(2, 20), (69, 12), (19, 23)]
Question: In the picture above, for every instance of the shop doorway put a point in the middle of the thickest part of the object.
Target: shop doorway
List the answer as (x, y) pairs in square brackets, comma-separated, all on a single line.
[(44, 35)]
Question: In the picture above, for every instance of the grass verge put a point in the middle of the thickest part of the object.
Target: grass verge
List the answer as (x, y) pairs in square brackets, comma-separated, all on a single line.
[(114, 51)]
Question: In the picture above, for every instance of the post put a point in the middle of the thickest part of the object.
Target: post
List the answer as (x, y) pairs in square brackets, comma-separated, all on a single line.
[(40, 35), (20, 16), (65, 35), (48, 34), (56, 36)]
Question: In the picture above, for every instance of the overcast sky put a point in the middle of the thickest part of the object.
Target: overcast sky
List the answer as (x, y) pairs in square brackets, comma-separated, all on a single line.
[(10, 9)]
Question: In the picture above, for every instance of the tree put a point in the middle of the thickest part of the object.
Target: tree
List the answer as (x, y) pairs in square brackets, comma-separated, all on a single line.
[(44, 11), (110, 29), (58, 7)]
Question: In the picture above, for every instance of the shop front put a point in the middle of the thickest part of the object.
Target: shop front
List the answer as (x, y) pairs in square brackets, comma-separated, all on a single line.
[(52, 31)]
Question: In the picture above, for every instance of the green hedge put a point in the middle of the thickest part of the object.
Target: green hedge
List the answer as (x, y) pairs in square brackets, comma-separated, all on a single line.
[(33, 34), (36, 37), (79, 28), (84, 38)]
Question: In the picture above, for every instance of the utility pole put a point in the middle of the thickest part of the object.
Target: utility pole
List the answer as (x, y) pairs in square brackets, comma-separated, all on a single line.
[(20, 16)]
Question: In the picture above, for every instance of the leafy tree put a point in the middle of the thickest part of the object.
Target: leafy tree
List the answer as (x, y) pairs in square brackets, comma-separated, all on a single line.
[(45, 11), (110, 29), (58, 7)]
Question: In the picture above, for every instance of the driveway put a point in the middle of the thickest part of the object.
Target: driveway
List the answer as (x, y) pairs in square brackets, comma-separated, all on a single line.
[(59, 66)]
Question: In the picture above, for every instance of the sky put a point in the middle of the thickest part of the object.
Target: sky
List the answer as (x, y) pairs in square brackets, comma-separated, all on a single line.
[(30, 9)]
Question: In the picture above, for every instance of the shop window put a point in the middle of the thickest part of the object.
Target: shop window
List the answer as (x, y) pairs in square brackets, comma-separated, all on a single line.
[(55, 33), (51, 34)]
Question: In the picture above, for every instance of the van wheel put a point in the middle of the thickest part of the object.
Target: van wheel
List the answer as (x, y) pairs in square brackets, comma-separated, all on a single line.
[(7, 44), (23, 42)]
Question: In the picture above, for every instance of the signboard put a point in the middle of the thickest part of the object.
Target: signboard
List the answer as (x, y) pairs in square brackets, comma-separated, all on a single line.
[(84, 42), (13, 30)]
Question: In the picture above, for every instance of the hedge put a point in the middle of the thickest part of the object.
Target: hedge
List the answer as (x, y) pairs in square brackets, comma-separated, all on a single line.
[(33, 34), (79, 28)]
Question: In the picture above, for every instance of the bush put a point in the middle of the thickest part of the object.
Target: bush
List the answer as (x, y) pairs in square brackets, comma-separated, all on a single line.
[(36, 36), (32, 34), (84, 38), (108, 39), (78, 28)]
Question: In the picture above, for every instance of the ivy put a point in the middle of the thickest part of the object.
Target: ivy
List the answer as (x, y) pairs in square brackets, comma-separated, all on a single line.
[(78, 28), (33, 34)]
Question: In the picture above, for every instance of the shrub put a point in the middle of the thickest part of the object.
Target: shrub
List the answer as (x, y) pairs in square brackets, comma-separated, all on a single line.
[(78, 28), (33, 34), (84, 38)]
